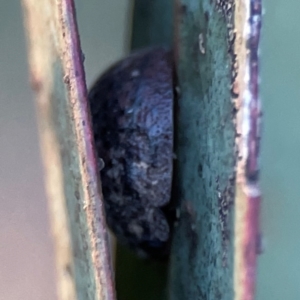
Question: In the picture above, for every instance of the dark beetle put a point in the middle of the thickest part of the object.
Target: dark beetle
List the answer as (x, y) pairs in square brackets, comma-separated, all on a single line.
[(132, 115)]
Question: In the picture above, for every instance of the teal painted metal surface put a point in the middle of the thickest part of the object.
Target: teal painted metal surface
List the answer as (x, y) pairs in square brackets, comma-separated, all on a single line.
[(72, 187), (201, 265)]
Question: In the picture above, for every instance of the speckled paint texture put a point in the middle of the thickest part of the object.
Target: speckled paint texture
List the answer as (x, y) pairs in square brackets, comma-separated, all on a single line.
[(202, 254)]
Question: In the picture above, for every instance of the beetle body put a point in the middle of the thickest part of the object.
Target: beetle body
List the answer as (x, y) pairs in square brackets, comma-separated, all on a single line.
[(132, 116)]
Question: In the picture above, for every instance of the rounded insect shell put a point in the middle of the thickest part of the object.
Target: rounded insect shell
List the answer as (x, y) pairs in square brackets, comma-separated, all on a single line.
[(132, 115)]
